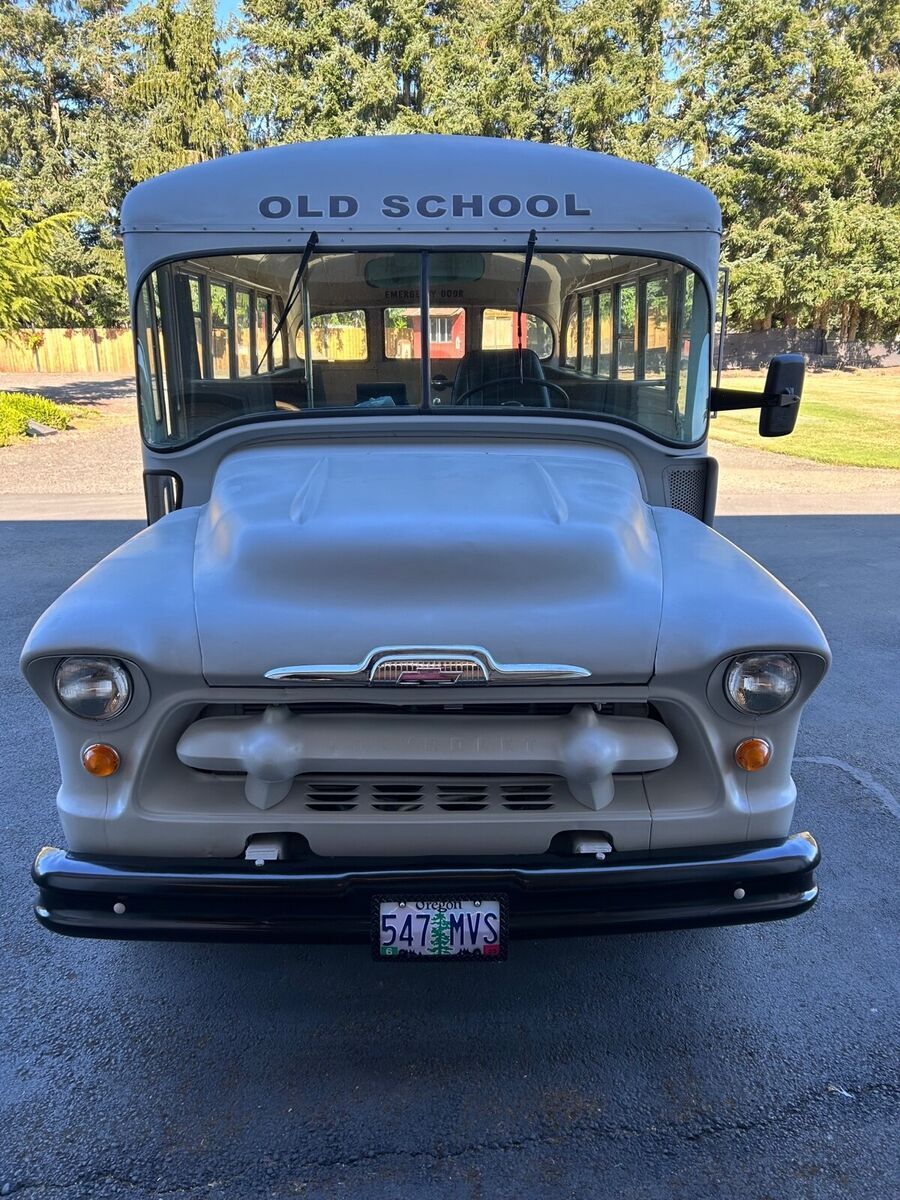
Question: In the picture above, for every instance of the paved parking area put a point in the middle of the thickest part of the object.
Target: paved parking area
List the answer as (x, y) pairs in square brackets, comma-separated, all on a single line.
[(757, 1062)]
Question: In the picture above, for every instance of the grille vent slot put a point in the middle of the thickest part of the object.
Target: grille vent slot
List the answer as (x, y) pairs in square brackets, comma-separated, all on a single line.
[(396, 797), (464, 794), (337, 796)]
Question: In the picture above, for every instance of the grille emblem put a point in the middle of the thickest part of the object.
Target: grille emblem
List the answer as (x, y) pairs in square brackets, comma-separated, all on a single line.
[(407, 672), (427, 666)]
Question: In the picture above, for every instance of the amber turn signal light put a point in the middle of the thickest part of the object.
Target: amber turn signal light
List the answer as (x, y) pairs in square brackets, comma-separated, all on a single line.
[(753, 754), (100, 759)]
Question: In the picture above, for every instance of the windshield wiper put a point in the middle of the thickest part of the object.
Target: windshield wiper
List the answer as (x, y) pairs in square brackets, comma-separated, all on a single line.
[(520, 303), (311, 244)]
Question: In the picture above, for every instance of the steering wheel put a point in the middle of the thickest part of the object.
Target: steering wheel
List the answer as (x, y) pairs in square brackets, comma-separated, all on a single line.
[(544, 383)]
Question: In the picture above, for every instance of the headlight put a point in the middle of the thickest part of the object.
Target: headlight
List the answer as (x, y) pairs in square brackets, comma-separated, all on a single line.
[(97, 688), (760, 684)]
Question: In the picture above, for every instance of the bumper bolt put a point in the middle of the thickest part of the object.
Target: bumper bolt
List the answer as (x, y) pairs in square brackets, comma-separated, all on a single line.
[(739, 893), (118, 908)]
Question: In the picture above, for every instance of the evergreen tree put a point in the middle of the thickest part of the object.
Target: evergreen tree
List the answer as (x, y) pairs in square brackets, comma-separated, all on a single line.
[(183, 99), (334, 68), (61, 141), (30, 285), (616, 89), (783, 111), (787, 109)]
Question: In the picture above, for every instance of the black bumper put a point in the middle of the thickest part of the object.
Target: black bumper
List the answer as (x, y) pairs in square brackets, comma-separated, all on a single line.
[(330, 900)]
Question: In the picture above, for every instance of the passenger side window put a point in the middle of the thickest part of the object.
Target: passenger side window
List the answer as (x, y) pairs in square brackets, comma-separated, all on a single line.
[(586, 319), (242, 331), (498, 332), (604, 334), (189, 291), (571, 346), (336, 337), (655, 332), (220, 328), (626, 306), (148, 357)]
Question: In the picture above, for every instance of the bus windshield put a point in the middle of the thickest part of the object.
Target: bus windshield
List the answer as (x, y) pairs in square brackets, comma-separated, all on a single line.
[(244, 337)]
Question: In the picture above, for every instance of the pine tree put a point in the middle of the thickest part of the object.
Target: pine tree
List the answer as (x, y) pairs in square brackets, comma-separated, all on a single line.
[(787, 109), (615, 88), (61, 144), (334, 68), (783, 110), (30, 285), (184, 95)]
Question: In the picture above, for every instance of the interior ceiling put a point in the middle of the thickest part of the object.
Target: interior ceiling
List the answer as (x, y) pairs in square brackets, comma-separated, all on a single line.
[(338, 281)]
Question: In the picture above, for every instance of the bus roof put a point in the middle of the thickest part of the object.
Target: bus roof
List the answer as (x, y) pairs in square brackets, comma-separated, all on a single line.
[(419, 190)]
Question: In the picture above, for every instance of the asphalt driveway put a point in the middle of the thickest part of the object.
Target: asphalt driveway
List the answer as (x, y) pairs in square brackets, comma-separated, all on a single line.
[(756, 1062)]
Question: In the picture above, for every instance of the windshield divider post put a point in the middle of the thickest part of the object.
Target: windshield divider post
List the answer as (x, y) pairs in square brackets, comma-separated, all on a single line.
[(425, 322), (307, 348), (520, 302)]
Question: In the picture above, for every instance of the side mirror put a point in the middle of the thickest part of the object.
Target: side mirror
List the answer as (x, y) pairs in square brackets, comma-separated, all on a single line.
[(781, 395), (779, 401)]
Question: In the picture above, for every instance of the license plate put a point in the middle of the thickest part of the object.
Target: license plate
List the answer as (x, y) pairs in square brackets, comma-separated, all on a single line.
[(437, 928)]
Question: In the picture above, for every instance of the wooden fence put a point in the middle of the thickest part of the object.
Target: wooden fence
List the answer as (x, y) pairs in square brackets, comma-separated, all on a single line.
[(68, 351)]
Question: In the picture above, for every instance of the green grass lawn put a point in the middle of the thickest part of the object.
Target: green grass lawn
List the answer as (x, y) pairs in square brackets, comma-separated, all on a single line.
[(851, 418)]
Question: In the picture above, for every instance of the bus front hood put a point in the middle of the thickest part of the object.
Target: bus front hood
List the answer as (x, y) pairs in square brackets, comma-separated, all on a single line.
[(315, 556)]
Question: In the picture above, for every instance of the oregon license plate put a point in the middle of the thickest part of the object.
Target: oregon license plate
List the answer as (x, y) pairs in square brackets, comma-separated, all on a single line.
[(440, 928)]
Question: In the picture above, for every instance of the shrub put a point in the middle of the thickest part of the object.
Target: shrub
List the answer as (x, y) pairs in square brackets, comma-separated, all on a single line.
[(17, 408), (12, 426)]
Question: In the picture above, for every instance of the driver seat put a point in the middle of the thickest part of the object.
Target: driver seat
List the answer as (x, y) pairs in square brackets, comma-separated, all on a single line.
[(484, 366)]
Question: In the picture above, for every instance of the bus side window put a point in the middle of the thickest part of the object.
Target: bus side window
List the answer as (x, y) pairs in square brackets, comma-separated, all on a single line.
[(586, 335), (498, 332), (147, 358), (263, 334), (336, 337), (626, 306), (242, 335), (220, 330), (604, 333), (571, 338), (655, 319)]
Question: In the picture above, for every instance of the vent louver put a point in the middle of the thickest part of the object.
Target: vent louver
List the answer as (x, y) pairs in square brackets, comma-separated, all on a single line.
[(463, 795)]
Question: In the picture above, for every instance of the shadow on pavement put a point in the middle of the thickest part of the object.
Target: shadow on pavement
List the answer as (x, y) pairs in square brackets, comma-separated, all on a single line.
[(86, 393)]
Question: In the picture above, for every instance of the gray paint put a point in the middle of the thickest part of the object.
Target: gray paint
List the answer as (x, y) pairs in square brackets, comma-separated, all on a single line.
[(543, 540), (197, 465), (628, 589), (273, 749), (620, 205), (324, 554)]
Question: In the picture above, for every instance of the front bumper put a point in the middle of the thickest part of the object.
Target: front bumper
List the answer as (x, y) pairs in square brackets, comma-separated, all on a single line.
[(330, 900)]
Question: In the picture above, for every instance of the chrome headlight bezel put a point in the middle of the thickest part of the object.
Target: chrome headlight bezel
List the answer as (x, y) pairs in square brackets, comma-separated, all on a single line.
[(91, 671), (779, 676)]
